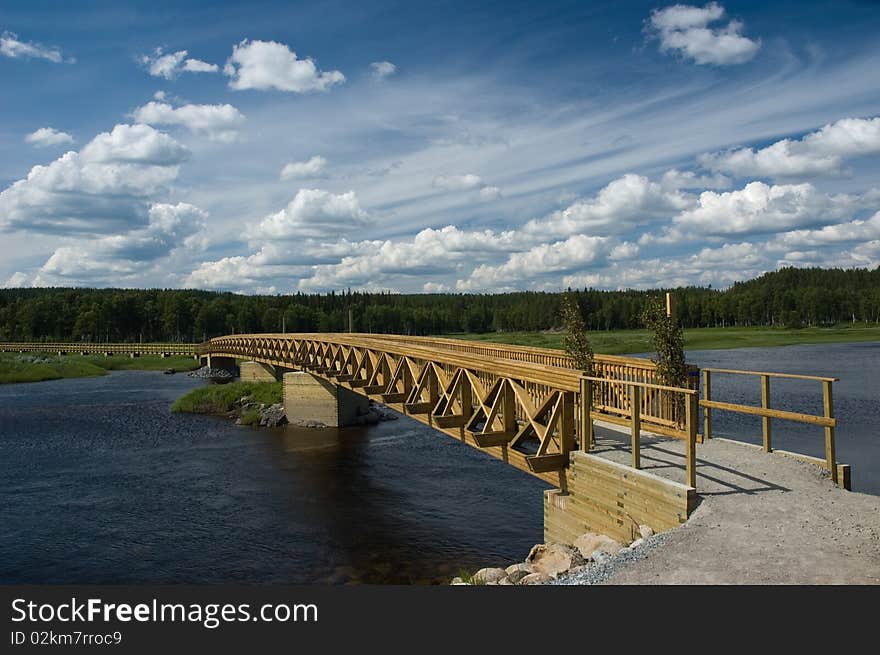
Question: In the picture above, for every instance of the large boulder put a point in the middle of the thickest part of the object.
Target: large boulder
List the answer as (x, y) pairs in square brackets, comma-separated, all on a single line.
[(273, 416), (590, 542), (489, 575), (646, 531), (535, 578), (552, 559)]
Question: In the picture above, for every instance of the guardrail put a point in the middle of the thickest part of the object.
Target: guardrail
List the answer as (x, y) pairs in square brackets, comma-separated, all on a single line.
[(636, 391), (826, 420), (88, 348)]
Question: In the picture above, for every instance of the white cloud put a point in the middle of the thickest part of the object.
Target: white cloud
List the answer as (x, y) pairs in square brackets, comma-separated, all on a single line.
[(17, 280), (172, 64), (314, 213), (457, 182), (430, 252), (312, 168), (628, 200), (109, 258), (685, 29), (850, 232), (759, 208), (818, 153), (266, 65), (48, 136), (382, 69), (217, 122), (489, 193), (572, 254), (11, 47), (107, 185)]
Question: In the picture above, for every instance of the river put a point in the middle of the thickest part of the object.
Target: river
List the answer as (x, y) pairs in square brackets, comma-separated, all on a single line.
[(100, 483)]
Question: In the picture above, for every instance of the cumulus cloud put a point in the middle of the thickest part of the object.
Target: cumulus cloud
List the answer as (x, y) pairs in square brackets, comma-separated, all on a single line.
[(266, 65), (312, 168), (457, 182), (854, 231), (108, 185), (170, 65), (675, 179), (106, 259), (684, 29), (12, 47), (17, 280), (572, 254), (48, 136), (314, 213), (430, 252), (818, 153), (620, 204), (217, 122), (382, 69), (759, 208)]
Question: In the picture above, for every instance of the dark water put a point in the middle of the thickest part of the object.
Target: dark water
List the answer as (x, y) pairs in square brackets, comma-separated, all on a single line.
[(100, 483)]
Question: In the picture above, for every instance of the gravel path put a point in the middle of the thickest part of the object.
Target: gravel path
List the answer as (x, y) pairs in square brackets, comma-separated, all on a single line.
[(763, 519)]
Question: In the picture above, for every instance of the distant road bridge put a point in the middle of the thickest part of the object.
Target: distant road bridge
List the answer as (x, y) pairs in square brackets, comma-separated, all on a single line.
[(528, 407)]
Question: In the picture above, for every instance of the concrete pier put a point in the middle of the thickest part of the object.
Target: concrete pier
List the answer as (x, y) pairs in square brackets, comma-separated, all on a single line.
[(308, 397), (225, 363), (258, 372)]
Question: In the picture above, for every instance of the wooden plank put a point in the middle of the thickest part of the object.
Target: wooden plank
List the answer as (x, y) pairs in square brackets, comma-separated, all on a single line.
[(636, 425), (765, 421), (583, 507), (395, 397), (545, 463), (418, 408), (790, 376), (828, 402), (691, 447), (707, 411), (488, 439), (772, 413)]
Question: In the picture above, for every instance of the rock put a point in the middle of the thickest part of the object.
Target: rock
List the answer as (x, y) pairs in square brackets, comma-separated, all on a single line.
[(636, 544), (273, 416), (600, 556), (516, 577), (505, 581), (518, 567), (553, 559), (238, 421), (535, 578), (590, 542), (578, 569), (457, 580), (646, 531), (489, 576)]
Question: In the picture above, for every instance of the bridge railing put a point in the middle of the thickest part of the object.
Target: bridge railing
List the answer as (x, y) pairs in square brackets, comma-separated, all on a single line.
[(659, 409), (840, 473), (100, 348), (593, 387)]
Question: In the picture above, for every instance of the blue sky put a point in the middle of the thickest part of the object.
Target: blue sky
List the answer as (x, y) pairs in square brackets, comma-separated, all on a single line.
[(449, 146)]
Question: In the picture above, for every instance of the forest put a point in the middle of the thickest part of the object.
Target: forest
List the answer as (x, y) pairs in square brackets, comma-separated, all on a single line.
[(789, 297)]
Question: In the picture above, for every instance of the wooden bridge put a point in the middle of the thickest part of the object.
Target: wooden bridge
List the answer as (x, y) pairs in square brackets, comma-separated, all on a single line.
[(528, 407)]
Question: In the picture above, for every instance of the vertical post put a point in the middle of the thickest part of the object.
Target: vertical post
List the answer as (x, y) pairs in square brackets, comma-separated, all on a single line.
[(691, 422), (636, 424), (566, 423), (670, 306), (765, 403), (707, 413), (509, 410), (586, 427), (830, 460)]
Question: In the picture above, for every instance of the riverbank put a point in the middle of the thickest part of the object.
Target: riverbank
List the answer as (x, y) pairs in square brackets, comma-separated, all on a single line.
[(625, 342), (39, 367), (763, 518)]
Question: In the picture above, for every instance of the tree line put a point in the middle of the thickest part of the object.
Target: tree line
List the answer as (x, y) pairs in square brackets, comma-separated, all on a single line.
[(790, 297)]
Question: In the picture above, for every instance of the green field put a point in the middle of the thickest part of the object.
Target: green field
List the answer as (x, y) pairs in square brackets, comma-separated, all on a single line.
[(36, 367), (622, 342), (220, 398)]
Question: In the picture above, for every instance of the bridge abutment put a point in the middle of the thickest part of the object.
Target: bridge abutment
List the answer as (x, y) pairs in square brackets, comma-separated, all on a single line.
[(225, 363), (308, 397), (258, 372)]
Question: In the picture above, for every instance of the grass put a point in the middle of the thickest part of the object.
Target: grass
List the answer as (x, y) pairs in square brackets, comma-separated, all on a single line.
[(220, 398), (623, 342), (37, 367)]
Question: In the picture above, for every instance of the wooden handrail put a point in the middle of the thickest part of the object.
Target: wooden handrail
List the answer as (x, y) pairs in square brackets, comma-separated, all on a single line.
[(792, 376)]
